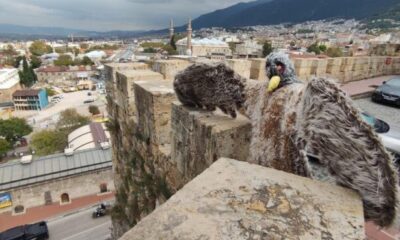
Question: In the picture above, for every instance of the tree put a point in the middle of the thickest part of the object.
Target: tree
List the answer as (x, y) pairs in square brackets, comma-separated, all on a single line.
[(149, 50), (27, 76), (267, 48), (38, 48), (84, 46), (5, 146), (14, 128), (314, 48), (86, 61), (35, 62), (94, 110), (10, 50), (334, 52), (50, 92), (64, 60), (322, 48), (172, 42), (49, 141), (170, 50), (70, 120)]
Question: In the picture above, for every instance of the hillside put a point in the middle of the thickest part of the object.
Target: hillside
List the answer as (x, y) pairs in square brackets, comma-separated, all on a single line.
[(264, 12)]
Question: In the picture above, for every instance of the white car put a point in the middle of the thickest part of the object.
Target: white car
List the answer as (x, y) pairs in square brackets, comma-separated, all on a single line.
[(390, 135)]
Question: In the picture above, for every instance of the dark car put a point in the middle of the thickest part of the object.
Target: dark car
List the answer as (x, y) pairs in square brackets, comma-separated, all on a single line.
[(388, 92), (38, 231), (88, 101)]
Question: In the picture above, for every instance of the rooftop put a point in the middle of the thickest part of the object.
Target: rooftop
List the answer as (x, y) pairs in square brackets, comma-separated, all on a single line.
[(8, 78), (13, 175), (26, 93)]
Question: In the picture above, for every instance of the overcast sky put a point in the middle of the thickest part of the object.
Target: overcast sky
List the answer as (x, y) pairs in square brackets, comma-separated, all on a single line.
[(105, 15)]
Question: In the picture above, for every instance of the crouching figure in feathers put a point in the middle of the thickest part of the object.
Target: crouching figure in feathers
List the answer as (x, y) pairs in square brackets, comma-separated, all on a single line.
[(310, 129)]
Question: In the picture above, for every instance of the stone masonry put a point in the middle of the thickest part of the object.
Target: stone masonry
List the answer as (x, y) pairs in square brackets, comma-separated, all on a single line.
[(234, 200), (159, 145)]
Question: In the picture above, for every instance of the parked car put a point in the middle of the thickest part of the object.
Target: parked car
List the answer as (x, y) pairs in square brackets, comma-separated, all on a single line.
[(38, 231), (390, 135), (388, 92), (88, 101), (89, 94)]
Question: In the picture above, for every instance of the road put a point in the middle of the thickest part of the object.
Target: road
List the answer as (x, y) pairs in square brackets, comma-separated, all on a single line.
[(80, 226), (387, 113)]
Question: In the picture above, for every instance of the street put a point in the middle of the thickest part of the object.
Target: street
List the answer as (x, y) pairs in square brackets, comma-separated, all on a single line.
[(386, 113), (80, 226)]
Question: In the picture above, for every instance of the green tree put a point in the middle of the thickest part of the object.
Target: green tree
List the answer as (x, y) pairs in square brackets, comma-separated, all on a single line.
[(267, 48), (5, 146), (10, 51), (87, 61), (50, 92), (14, 128), (27, 76), (322, 48), (172, 42), (64, 60), (314, 48), (94, 110), (149, 50), (38, 48), (70, 120), (334, 52), (170, 50), (35, 62), (49, 142)]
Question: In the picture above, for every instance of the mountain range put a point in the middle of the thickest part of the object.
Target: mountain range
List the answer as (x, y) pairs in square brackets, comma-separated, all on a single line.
[(259, 12)]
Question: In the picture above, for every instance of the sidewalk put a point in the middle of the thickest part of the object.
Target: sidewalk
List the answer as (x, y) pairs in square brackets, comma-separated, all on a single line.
[(40, 213), (364, 88)]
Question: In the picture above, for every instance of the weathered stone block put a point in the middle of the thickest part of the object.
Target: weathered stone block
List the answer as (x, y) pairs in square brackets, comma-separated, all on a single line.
[(153, 102), (240, 66), (235, 200), (201, 137), (169, 68), (257, 70), (319, 67)]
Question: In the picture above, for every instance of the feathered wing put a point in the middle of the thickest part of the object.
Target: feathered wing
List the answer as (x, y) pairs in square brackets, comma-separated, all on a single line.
[(331, 129)]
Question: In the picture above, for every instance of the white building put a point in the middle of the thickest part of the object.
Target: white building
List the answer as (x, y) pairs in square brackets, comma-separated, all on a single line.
[(9, 83), (205, 47)]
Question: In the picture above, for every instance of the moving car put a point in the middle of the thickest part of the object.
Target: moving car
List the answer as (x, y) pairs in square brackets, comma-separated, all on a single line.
[(388, 92), (38, 231), (88, 101), (390, 135)]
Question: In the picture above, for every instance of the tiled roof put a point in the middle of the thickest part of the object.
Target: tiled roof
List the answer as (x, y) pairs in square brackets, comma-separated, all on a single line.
[(41, 169), (26, 93)]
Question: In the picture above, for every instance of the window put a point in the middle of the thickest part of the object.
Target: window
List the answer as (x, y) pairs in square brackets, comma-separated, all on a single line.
[(103, 188), (65, 198), (19, 209)]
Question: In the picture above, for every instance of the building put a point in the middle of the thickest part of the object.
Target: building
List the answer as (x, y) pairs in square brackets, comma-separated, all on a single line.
[(30, 99), (88, 137), (249, 49), (9, 83), (205, 47), (55, 179), (65, 75)]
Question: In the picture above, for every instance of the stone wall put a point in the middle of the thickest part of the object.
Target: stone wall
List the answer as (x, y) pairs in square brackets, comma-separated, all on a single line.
[(236, 200), (165, 145), (75, 186), (169, 68)]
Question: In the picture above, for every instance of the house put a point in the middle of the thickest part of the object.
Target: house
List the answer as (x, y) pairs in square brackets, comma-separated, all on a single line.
[(30, 99)]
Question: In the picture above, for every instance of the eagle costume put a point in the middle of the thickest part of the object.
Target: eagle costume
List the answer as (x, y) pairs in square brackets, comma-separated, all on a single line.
[(310, 129)]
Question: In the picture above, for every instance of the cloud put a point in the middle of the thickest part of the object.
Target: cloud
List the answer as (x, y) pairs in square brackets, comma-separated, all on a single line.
[(105, 15)]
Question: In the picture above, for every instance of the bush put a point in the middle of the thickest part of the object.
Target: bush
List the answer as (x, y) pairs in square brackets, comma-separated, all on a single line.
[(94, 110), (70, 120)]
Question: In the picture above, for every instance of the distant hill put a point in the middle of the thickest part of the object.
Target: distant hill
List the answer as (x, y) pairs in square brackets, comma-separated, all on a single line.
[(17, 31), (264, 12)]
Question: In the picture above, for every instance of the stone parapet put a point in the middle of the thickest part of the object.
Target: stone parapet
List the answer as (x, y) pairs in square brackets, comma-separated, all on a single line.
[(153, 103), (237, 200), (169, 68), (240, 66), (257, 70), (199, 138)]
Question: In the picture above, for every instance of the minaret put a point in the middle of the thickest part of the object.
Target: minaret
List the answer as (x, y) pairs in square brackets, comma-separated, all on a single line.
[(189, 38), (171, 29)]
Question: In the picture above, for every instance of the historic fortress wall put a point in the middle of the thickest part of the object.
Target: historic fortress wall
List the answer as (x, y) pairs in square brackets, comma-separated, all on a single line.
[(160, 145)]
